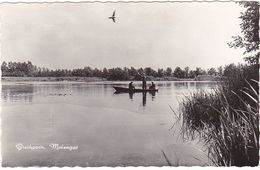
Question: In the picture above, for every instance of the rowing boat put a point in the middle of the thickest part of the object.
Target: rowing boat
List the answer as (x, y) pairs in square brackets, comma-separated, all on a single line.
[(127, 90)]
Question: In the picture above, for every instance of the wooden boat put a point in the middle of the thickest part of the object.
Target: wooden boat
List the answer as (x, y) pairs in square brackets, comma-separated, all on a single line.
[(127, 90)]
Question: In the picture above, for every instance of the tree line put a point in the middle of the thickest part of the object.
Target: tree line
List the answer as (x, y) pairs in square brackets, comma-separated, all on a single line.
[(27, 69)]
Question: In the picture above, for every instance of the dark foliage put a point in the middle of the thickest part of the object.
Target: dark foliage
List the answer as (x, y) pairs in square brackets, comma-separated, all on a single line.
[(250, 30), (23, 69), (228, 118)]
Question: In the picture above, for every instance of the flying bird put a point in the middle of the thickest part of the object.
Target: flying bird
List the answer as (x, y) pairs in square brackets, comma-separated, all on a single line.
[(113, 17)]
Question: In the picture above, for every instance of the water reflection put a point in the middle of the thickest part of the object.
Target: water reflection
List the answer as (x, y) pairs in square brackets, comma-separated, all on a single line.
[(16, 93), (144, 96), (33, 92), (153, 95), (131, 95)]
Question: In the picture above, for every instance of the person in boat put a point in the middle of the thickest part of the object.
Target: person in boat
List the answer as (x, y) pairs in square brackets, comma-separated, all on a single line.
[(131, 86), (152, 87), (144, 82)]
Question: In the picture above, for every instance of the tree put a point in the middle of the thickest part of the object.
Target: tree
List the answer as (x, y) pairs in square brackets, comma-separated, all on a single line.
[(96, 72), (160, 72), (117, 74), (148, 71), (186, 69), (179, 73), (232, 71), (4, 68), (30, 69), (250, 30), (126, 73), (140, 71), (220, 70), (11, 66), (168, 71), (212, 71), (192, 74), (132, 72), (105, 73), (199, 71), (87, 72)]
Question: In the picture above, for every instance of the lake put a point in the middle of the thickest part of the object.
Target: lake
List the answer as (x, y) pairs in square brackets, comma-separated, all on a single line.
[(86, 124)]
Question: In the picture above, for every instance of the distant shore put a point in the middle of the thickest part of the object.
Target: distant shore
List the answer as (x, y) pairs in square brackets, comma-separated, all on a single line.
[(96, 79), (80, 79)]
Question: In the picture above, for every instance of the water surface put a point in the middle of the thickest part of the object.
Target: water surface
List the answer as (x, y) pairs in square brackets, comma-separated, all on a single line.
[(108, 129)]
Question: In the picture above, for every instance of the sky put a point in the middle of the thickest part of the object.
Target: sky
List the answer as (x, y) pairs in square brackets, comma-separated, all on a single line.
[(157, 35)]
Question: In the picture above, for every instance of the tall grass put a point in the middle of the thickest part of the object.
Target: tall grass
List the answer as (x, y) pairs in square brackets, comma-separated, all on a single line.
[(227, 120)]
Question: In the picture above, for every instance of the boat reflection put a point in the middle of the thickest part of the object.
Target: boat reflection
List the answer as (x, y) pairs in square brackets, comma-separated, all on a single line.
[(131, 95), (144, 96)]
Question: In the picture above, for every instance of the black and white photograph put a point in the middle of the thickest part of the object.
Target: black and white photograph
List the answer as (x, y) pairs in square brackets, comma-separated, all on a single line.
[(129, 83)]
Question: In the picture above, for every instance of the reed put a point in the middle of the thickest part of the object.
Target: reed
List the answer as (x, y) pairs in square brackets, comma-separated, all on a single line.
[(227, 120)]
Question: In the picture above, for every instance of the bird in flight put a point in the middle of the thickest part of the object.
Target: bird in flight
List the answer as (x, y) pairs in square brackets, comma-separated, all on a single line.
[(113, 17)]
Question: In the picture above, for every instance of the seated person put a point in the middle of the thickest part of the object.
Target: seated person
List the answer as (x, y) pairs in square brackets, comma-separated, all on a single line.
[(131, 86), (152, 87)]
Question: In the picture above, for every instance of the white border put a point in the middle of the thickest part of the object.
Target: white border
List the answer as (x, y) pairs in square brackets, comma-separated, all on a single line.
[(111, 168)]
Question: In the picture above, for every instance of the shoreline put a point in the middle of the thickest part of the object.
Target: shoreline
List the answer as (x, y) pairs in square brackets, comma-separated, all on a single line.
[(98, 79), (42, 79)]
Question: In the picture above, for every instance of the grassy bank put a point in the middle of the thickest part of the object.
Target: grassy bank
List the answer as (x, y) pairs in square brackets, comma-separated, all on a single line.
[(227, 120), (80, 79)]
